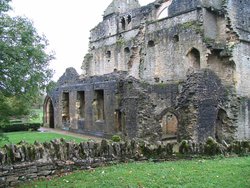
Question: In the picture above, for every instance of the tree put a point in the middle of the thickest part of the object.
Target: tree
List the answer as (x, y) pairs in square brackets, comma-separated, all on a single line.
[(24, 63)]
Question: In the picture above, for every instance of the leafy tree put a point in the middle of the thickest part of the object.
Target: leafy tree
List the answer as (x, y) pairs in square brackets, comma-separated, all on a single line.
[(24, 62), (51, 86)]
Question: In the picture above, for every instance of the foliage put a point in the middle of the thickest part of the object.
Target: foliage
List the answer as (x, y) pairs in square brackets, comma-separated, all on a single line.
[(24, 64), (194, 25), (211, 147), (116, 138), (220, 172), (51, 86), (120, 42), (32, 136), (13, 127), (36, 116)]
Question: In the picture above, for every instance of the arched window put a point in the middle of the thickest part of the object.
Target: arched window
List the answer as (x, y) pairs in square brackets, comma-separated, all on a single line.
[(194, 58), (176, 38), (108, 54), (151, 43), (129, 19), (123, 22), (162, 12), (127, 50)]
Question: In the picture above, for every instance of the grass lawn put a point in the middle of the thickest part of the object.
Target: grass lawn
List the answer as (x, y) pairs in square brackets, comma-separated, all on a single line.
[(31, 137), (219, 173)]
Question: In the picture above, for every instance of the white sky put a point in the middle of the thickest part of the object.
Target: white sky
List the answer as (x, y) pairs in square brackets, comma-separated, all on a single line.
[(66, 24)]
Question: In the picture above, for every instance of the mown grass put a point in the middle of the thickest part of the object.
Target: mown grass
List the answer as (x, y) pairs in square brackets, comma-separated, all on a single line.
[(219, 173), (31, 137)]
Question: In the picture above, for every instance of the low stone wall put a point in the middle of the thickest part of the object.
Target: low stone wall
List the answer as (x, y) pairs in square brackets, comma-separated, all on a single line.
[(23, 162)]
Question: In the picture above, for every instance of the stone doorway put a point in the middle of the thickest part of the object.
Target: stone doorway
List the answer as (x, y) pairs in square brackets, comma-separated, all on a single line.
[(169, 125), (49, 114)]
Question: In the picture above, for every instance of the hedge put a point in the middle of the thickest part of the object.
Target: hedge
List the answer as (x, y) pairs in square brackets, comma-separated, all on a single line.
[(20, 127)]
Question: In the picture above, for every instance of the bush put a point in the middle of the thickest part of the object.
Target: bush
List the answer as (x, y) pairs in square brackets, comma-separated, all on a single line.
[(116, 138), (20, 127)]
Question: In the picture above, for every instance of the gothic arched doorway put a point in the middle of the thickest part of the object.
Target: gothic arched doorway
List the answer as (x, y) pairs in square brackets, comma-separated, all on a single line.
[(49, 113), (169, 125)]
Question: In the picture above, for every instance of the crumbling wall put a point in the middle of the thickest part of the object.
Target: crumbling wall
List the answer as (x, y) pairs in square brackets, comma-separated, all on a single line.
[(26, 162), (202, 99), (239, 23), (129, 46)]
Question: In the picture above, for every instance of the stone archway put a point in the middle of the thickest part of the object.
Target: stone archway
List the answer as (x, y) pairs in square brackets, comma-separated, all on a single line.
[(162, 12), (49, 113), (169, 124), (194, 59)]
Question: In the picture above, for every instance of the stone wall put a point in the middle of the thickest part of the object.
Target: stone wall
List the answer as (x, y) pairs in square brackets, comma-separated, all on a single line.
[(126, 106), (24, 162), (203, 114)]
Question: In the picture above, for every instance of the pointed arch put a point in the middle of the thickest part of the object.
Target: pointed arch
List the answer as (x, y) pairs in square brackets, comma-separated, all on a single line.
[(162, 12), (49, 112), (169, 121)]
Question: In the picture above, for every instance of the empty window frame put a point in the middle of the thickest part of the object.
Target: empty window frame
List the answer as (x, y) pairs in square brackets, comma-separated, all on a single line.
[(80, 104), (65, 108), (98, 105)]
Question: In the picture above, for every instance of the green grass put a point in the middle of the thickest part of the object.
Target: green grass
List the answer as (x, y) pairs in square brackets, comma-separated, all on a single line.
[(219, 173), (31, 137)]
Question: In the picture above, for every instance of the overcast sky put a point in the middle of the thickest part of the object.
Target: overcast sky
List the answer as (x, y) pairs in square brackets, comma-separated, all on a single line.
[(66, 24)]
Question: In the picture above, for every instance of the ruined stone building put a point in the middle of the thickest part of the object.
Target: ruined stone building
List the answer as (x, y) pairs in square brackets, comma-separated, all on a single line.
[(170, 69)]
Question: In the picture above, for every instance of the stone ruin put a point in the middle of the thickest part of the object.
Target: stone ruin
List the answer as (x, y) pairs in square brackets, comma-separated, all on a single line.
[(173, 69)]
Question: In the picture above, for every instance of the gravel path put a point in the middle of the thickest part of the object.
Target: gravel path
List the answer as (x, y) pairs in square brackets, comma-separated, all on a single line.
[(77, 135)]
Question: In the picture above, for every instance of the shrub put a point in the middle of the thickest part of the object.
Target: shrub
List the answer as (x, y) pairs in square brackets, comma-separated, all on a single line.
[(20, 127), (211, 147), (116, 138)]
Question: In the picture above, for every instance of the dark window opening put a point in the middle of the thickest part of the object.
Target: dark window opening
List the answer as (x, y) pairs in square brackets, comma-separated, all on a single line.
[(157, 79), (151, 43), (176, 38), (65, 109), (127, 50), (118, 121), (80, 104), (108, 54), (194, 58), (129, 19), (98, 105), (123, 22)]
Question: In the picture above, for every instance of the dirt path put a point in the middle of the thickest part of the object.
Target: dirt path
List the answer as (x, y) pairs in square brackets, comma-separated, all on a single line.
[(77, 135)]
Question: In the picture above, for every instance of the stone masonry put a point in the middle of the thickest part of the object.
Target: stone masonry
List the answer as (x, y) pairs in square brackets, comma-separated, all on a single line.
[(173, 69), (25, 162)]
